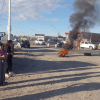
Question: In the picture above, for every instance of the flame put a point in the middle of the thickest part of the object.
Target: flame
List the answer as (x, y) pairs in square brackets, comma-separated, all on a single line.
[(63, 52)]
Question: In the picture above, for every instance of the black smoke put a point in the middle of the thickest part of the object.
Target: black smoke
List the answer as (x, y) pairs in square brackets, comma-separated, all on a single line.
[(84, 18)]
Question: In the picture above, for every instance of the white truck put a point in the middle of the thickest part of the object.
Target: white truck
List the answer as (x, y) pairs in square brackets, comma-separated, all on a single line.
[(87, 44), (39, 42)]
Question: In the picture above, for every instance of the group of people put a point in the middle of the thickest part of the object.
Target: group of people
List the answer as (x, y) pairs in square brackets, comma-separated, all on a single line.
[(5, 58)]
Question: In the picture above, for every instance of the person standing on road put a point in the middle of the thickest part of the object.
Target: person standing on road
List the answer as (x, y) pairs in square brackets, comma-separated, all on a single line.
[(9, 59), (67, 42), (2, 65), (78, 45)]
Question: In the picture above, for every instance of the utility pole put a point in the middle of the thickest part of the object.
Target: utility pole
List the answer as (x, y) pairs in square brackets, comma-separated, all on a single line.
[(9, 19), (91, 38)]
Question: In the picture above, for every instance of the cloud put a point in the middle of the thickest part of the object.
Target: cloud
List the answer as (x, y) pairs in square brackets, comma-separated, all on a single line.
[(30, 9), (55, 19)]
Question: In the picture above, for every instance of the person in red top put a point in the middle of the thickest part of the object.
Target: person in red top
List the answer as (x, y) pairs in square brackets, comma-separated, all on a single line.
[(67, 42), (78, 45)]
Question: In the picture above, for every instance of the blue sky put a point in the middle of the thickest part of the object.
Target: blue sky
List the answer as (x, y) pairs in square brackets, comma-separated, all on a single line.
[(38, 16)]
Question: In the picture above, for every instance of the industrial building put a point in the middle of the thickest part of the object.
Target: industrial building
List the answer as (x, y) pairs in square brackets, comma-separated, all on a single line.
[(87, 36)]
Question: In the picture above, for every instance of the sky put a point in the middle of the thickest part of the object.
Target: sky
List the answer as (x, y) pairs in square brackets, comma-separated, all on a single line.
[(30, 17)]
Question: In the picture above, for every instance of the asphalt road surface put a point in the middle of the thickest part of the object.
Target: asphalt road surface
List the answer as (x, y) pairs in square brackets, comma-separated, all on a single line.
[(74, 50)]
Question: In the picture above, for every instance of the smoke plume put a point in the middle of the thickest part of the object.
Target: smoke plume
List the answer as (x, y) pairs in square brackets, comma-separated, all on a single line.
[(84, 17)]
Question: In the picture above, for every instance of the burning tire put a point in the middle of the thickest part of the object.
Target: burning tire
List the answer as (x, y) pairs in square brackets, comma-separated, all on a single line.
[(62, 53)]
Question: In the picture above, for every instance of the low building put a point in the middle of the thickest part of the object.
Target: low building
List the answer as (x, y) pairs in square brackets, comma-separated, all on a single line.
[(40, 36), (87, 36), (60, 38), (48, 37), (23, 38)]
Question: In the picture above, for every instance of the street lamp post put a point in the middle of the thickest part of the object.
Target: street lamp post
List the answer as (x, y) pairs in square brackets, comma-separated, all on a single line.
[(34, 31), (9, 19), (55, 29)]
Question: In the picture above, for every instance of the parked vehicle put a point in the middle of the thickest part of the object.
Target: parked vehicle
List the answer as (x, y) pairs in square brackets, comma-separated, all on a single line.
[(54, 42), (40, 42), (16, 43), (89, 45), (63, 42), (23, 43)]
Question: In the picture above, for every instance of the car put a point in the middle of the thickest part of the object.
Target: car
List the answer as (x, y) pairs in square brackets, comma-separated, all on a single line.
[(63, 42), (23, 43), (39, 42), (87, 44), (54, 42), (16, 43)]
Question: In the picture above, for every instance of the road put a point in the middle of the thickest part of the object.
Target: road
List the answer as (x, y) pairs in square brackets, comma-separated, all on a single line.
[(74, 50), (41, 75)]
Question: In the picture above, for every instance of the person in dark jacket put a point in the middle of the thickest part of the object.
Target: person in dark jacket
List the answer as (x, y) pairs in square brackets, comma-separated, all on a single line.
[(9, 59), (2, 65)]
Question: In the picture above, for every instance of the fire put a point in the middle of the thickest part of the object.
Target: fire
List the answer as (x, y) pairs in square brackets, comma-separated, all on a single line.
[(63, 52)]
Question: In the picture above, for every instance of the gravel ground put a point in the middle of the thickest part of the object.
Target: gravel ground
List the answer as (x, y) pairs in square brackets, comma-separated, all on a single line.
[(41, 75)]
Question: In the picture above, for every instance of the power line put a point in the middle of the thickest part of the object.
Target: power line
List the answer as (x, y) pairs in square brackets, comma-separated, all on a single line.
[(2, 8)]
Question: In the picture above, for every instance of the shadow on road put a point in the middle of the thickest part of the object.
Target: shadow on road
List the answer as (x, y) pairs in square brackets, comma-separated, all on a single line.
[(62, 91), (31, 65), (27, 54)]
